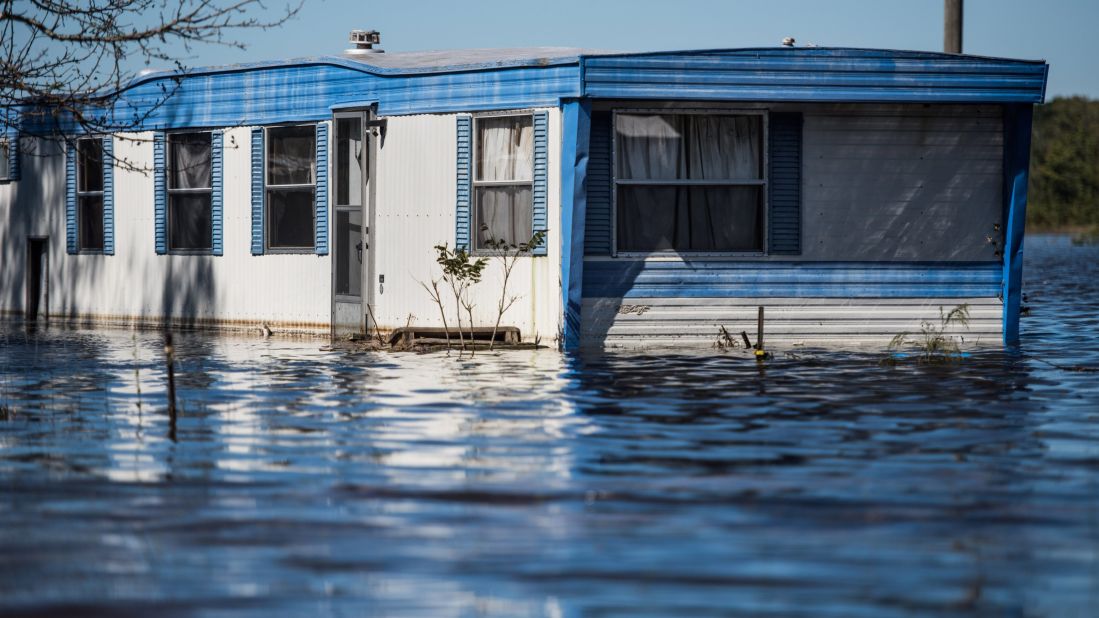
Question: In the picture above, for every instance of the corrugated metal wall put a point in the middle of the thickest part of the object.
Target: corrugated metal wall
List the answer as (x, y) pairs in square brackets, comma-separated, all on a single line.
[(415, 210), (615, 322), (136, 284), (814, 74)]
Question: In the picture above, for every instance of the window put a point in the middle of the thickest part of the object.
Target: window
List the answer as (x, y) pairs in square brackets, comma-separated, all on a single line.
[(89, 194), (190, 192), (503, 179), (291, 177), (689, 182)]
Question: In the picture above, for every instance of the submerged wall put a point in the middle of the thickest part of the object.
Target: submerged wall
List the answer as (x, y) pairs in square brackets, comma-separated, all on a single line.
[(137, 285)]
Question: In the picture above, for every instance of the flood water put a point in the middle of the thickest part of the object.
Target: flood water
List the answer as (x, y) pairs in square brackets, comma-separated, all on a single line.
[(313, 482)]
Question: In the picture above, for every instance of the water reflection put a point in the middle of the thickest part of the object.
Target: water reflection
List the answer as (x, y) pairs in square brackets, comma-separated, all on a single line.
[(532, 483)]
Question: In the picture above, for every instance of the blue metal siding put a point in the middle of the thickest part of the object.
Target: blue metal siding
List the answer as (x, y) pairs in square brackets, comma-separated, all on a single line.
[(303, 93), (307, 90), (720, 279), (575, 130), (71, 241), (321, 226), (784, 188), (108, 195), (257, 191), (160, 193), (539, 216), (825, 75), (12, 135), (1017, 125), (464, 179), (217, 149), (597, 224)]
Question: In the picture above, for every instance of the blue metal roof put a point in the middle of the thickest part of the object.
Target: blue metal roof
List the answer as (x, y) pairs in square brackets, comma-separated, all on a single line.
[(428, 82), (815, 75)]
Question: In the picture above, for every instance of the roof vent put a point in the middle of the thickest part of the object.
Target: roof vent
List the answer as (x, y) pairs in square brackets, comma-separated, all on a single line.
[(788, 41), (364, 42)]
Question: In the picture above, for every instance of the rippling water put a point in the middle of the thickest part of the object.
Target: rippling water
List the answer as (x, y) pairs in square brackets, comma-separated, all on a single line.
[(320, 482)]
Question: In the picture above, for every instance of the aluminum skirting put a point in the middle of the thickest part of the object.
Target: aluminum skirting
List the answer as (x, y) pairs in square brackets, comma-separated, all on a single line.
[(655, 322)]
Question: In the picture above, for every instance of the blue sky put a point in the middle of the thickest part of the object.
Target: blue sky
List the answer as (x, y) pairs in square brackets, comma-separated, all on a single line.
[(1061, 32)]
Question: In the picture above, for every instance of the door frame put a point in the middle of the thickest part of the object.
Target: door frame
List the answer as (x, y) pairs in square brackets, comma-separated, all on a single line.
[(369, 152), (43, 278)]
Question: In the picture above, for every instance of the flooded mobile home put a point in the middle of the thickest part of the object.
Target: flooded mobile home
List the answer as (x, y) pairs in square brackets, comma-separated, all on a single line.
[(851, 192)]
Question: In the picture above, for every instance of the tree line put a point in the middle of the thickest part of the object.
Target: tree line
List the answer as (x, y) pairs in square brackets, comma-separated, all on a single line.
[(1064, 165)]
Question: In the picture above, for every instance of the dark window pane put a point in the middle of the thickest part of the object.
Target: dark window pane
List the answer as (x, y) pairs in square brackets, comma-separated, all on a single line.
[(349, 252), (189, 161), (4, 154), (663, 218), (503, 213), (290, 218), (91, 222), (189, 222), (349, 161), (291, 155), (90, 163)]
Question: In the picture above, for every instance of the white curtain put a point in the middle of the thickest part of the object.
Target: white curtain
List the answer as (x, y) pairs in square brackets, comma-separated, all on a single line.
[(505, 153), (503, 213), (689, 147), (505, 148), (190, 161)]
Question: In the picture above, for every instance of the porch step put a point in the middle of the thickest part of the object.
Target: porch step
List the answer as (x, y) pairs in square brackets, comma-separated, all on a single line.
[(407, 335)]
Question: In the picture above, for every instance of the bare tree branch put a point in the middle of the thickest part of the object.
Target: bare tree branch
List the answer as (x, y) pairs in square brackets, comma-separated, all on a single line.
[(66, 59)]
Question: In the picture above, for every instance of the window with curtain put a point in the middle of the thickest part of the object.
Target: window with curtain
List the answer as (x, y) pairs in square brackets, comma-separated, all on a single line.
[(689, 182), (89, 194), (190, 192), (503, 180), (291, 183)]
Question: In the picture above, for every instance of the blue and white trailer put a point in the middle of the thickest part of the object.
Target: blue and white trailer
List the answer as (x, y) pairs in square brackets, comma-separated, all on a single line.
[(851, 192)]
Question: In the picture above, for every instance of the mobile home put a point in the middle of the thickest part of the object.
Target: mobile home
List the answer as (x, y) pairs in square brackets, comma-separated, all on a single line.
[(851, 192)]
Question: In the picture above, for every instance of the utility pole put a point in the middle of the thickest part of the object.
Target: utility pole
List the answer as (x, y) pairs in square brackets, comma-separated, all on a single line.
[(952, 26)]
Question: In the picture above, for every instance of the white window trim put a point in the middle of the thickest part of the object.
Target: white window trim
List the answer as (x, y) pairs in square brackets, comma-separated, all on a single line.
[(268, 247), (169, 192), (79, 194), (763, 182), (475, 229)]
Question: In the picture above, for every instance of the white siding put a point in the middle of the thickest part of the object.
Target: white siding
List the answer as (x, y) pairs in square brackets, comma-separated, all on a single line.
[(415, 210), (289, 292)]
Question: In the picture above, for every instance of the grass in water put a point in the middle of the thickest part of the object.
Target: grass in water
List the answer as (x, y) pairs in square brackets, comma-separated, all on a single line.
[(932, 342)]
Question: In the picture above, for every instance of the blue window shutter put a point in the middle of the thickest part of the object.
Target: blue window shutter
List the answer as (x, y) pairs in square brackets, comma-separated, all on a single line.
[(12, 134), (597, 222), (257, 191), (321, 228), (539, 216), (465, 182), (160, 193), (217, 139), (108, 195), (784, 188), (70, 200)]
